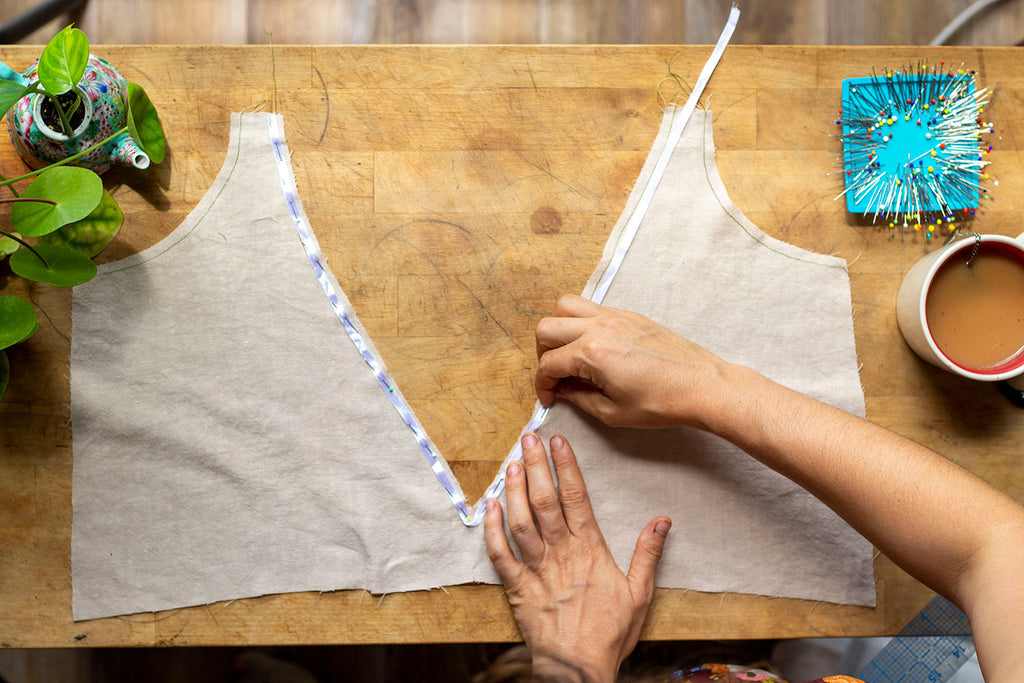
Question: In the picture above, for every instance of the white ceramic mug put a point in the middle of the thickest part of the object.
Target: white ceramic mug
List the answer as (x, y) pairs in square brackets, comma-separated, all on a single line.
[(911, 311)]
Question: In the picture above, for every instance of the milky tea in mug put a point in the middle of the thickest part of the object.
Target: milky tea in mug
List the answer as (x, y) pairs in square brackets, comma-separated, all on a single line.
[(975, 307)]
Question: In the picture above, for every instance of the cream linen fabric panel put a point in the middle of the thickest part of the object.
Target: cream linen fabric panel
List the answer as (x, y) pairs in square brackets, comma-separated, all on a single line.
[(698, 266), (229, 441)]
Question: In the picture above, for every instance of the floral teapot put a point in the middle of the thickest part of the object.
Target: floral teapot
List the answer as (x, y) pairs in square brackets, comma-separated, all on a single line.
[(104, 100)]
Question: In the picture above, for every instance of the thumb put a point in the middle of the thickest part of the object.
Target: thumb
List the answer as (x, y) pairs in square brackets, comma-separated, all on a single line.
[(646, 556)]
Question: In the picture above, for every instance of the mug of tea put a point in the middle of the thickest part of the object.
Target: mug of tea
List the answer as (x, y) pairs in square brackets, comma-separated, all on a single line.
[(962, 307)]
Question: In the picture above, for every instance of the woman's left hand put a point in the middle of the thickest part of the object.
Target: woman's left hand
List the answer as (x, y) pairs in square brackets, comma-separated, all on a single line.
[(575, 608)]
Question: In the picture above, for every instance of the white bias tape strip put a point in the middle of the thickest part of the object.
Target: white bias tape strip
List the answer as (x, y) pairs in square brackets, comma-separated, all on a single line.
[(679, 120), (346, 314)]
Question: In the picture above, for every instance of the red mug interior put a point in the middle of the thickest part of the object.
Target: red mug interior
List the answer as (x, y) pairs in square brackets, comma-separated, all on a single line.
[(975, 314)]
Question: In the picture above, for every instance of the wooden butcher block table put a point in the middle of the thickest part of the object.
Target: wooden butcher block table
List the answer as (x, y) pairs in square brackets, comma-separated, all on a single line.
[(457, 191)]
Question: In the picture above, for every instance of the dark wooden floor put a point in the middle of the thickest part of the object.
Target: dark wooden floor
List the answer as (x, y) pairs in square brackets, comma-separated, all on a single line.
[(800, 22), (340, 664)]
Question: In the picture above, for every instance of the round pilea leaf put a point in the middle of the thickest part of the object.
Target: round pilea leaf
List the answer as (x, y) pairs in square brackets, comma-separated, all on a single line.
[(68, 194), (17, 320), (144, 124), (63, 267), (92, 234)]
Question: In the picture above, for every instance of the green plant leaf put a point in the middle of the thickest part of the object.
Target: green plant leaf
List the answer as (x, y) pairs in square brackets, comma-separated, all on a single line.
[(5, 373), (76, 191), (92, 234), (17, 320), (64, 267), (144, 124), (10, 93), (8, 246), (63, 61)]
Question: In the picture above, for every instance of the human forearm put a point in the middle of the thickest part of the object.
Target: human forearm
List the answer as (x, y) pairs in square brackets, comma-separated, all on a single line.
[(945, 526), (927, 514)]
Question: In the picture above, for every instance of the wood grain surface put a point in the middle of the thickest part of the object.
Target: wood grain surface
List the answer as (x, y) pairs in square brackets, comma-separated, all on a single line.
[(316, 22), (457, 191)]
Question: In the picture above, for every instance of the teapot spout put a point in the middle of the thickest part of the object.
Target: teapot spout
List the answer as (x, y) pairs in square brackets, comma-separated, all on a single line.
[(9, 74), (127, 153)]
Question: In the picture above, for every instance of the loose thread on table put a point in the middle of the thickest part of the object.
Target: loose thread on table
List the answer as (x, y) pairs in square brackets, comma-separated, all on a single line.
[(273, 68), (684, 88)]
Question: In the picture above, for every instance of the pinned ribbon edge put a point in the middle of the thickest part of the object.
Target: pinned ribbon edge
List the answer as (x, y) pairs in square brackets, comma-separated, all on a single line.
[(595, 290)]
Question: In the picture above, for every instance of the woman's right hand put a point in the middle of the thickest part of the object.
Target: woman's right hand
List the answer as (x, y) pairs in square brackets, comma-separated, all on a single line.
[(623, 368)]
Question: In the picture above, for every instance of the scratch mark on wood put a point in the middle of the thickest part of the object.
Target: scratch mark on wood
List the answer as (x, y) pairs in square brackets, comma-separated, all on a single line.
[(550, 174), (491, 316), (327, 104)]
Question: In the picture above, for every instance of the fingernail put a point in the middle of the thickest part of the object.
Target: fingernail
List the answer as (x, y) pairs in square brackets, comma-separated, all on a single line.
[(529, 441), (515, 469), (662, 527), (557, 443), (491, 505)]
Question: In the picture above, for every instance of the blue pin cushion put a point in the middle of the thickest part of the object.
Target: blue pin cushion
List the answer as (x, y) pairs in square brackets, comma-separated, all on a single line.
[(911, 145)]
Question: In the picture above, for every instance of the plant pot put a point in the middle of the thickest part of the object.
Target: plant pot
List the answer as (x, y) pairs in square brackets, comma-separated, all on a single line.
[(103, 92), (56, 134)]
